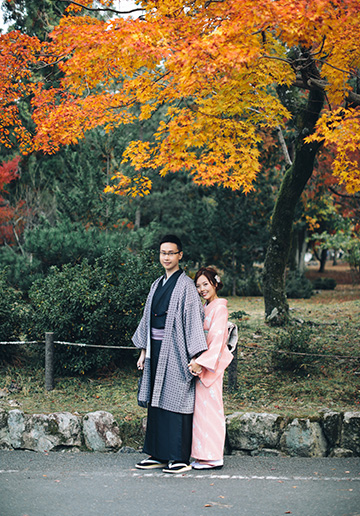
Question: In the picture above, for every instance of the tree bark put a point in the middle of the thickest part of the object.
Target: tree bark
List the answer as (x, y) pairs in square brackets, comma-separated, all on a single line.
[(323, 258), (293, 184)]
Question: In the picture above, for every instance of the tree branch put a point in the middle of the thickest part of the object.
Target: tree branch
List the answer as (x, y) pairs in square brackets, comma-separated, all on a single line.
[(284, 146), (319, 84), (18, 241), (346, 196), (97, 9)]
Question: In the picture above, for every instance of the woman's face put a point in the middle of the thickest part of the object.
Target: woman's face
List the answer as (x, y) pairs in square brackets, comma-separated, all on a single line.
[(206, 289)]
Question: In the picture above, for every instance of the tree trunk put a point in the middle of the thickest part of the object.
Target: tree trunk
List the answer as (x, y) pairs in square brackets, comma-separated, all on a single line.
[(323, 258), (233, 266), (302, 250), (293, 184), (137, 223)]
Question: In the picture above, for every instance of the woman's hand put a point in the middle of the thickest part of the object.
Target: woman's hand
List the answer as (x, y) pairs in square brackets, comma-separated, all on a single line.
[(141, 361), (194, 368)]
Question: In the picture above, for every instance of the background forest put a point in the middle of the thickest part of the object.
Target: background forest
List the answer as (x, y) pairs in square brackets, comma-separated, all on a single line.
[(78, 257)]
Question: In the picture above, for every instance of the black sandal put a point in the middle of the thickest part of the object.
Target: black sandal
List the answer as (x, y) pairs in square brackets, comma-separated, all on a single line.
[(150, 463)]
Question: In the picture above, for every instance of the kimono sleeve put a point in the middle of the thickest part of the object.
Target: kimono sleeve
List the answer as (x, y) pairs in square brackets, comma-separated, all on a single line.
[(194, 326), (216, 337), (141, 335)]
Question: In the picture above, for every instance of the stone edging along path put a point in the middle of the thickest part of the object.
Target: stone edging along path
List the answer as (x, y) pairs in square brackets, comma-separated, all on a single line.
[(330, 434)]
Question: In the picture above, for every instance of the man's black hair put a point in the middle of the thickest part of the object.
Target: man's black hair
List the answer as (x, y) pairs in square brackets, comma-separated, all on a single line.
[(173, 239)]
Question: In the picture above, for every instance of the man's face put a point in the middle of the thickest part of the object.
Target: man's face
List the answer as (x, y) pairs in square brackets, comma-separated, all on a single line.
[(170, 257)]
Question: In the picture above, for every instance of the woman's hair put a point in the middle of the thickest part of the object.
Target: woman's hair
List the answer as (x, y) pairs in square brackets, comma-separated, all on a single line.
[(212, 276)]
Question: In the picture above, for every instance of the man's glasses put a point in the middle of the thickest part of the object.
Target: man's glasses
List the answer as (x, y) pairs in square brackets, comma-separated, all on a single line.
[(170, 253)]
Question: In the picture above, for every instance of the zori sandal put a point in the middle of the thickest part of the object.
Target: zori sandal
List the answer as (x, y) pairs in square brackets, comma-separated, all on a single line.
[(177, 467), (150, 463), (214, 464)]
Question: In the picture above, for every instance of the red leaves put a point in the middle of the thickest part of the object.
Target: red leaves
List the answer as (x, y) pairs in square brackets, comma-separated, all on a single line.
[(8, 173)]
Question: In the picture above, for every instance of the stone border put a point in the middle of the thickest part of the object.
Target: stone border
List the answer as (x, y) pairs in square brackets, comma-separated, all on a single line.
[(331, 434), (96, 431)]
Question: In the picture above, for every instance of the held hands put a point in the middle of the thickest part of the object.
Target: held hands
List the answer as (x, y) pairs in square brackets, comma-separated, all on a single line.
[(141, 360), (194, 368)]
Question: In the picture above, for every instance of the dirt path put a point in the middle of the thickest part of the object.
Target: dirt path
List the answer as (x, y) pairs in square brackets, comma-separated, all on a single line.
[(341, 273)]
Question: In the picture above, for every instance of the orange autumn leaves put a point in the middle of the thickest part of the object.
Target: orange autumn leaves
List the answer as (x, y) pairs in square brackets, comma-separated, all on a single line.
[(214, 66)]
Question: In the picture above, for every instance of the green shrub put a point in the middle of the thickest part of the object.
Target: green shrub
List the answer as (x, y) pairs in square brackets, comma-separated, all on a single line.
[(21, 272), (98, 304), (11, 317), (298, 286), (291, 341), (46, 246), (324, 284), (251, 285)]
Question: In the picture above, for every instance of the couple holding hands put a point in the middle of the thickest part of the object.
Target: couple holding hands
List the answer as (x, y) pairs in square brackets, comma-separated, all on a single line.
[(183, 357)]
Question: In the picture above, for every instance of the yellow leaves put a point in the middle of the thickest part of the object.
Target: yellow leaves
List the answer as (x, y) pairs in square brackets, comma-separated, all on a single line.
[(312, 223), (138, 185), (216, 65), (139, 154)]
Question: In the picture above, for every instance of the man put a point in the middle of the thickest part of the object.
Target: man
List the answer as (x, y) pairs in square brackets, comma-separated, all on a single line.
[(170, 334)]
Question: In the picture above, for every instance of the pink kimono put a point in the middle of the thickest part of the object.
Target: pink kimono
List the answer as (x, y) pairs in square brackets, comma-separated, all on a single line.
[(209, 420)]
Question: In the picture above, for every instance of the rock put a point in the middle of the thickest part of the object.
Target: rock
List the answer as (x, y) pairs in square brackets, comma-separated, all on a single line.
[(4, 431), (350, 435), (51, 432), (41, 432), (248, 434), (241, 453), (303, 438), (14, 403), (252, 431), (341, 453), (16, 427), (127, 449), (266, 452), (101, 432), (331, 423)]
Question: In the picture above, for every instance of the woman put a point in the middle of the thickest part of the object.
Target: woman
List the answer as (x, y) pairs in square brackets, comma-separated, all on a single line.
[(209, 420)]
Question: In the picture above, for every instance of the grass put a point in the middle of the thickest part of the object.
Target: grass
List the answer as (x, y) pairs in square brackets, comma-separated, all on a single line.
[(327, 382)]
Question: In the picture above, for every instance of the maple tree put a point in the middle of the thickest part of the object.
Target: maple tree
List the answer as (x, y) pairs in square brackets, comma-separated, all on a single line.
[(11, 216), (226, 72)]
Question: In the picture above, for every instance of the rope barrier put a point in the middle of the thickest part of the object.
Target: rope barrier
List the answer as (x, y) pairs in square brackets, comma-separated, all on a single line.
[(19, 342), (257, 348), (92, 345), (79, 344), (50, 356)]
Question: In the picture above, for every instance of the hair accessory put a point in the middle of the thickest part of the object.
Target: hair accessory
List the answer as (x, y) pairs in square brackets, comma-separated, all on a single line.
[(217, 279)]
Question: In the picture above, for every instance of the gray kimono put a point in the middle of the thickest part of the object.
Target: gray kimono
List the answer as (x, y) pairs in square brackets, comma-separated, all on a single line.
[(174, 388)]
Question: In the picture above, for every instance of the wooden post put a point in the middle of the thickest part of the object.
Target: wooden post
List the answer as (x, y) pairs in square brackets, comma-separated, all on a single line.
[(232, 372), (49, 361)]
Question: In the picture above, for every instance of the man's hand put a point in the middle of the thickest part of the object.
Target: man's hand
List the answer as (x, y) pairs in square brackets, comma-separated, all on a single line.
[(141, 360)]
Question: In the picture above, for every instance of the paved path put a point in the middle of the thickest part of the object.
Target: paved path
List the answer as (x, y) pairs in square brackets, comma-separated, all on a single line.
[(95, 484)]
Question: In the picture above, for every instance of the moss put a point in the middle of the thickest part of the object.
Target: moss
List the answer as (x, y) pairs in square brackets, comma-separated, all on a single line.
[(131, 433), (53, 427)]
